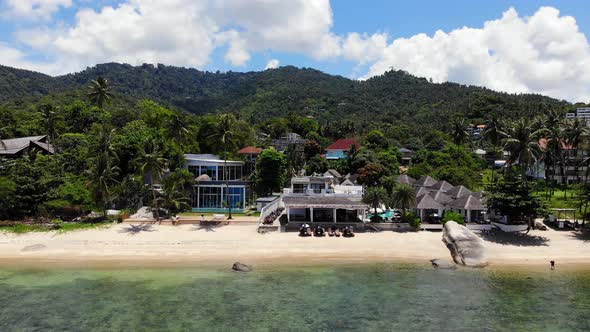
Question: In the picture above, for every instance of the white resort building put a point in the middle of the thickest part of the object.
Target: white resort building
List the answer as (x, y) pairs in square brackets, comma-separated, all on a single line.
[(319, 199)]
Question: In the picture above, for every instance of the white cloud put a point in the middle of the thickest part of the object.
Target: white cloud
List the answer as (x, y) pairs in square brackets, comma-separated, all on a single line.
[(14, 58), (186, 32), (34, 9), (545, 53), (272, 64)]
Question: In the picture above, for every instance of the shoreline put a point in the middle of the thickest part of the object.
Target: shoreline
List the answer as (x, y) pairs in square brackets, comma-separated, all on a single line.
[(124, 245)]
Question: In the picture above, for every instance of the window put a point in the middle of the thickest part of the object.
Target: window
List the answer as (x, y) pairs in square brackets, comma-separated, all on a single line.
[(317, 187), (235, 197), (299, 188), (209, 197)]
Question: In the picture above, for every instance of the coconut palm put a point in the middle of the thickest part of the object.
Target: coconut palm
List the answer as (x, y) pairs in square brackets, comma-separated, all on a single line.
[(49, 117), (173, 200), (575, 133), (179, 128), (102, 178), (375, 196), (522, 143), (404, 197), (152, 164), (493, 134), (458, 131), (100, 92), (223, 131), (2, 144)]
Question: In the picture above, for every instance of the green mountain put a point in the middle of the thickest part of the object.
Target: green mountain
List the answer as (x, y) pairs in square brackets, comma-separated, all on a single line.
[(256, 96)]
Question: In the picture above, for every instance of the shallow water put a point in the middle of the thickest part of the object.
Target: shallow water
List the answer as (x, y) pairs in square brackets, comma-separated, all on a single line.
[(393, 297)]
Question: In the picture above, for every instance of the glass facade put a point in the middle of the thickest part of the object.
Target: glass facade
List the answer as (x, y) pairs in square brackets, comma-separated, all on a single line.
[(216, 197), (218, 172)]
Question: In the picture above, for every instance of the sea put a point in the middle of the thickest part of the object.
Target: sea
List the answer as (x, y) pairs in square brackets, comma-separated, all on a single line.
[(319, 297)]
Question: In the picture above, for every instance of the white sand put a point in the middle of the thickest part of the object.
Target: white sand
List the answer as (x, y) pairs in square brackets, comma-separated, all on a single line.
[(127, 244)]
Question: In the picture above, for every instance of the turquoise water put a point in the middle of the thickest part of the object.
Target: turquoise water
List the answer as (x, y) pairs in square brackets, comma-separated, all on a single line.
[(384, 215), (382, 297)]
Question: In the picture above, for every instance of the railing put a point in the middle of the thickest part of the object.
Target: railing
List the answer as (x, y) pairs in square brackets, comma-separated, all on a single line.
[(330, 192), (270, 208)]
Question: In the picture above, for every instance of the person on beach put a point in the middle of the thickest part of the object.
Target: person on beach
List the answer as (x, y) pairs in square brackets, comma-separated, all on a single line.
[(552, 263)]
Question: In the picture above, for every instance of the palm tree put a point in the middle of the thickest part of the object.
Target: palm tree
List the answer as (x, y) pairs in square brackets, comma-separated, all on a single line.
[(374, 196), (458, 131), (100, 92), (173, 200), (403, 196), (49, 117), (153, 164), (2, 144), (493, 134), (224, 133), (522, 143), (179, 128), (575, 133), (102, 176)]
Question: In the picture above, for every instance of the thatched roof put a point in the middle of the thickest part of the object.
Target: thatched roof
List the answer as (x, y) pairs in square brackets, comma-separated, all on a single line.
[(203, 177), (441, 197), (468, 202), (427, 202), (425, 181), (442, 186), (405, 179), (422, 191), (459, 191)]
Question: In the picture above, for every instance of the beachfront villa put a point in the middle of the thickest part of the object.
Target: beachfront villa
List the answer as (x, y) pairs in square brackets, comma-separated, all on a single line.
[(434, 198), (319, 199), (340, 148), (210, 193)]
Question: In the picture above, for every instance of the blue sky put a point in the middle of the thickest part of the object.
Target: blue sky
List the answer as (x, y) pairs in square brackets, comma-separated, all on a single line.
[(525, 46)]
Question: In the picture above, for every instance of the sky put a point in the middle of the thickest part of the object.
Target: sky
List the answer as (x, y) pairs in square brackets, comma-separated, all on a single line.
[(513, 46)]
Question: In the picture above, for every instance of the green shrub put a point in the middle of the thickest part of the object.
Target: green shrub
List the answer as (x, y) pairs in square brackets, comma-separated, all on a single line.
[(413, 220), (454, 216)]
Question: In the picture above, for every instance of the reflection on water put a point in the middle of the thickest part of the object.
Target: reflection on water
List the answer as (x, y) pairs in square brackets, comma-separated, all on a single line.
[(376, 297)]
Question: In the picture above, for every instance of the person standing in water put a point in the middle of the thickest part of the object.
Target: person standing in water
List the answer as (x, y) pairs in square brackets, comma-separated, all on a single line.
[(552, 263)]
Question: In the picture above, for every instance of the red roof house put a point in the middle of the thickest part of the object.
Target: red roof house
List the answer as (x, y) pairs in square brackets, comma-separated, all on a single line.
[(338, 149), (250, 150)]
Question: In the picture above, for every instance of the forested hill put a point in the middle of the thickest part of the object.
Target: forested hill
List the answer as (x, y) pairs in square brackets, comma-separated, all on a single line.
[(396, 95)]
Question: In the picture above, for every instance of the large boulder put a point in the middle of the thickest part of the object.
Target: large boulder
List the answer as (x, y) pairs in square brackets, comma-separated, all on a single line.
[(443, 264), (241, 267), (466, 248)]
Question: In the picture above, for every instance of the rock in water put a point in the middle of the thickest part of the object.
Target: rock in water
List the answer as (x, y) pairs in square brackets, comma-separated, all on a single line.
[(466, 248), (443, 264), (34, 247), (241, 267)]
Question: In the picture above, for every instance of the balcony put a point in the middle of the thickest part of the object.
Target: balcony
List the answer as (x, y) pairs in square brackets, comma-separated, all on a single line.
[(337, 192)]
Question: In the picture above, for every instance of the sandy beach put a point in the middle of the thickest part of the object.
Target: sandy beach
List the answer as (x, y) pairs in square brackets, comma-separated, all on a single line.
[(127, 244)]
